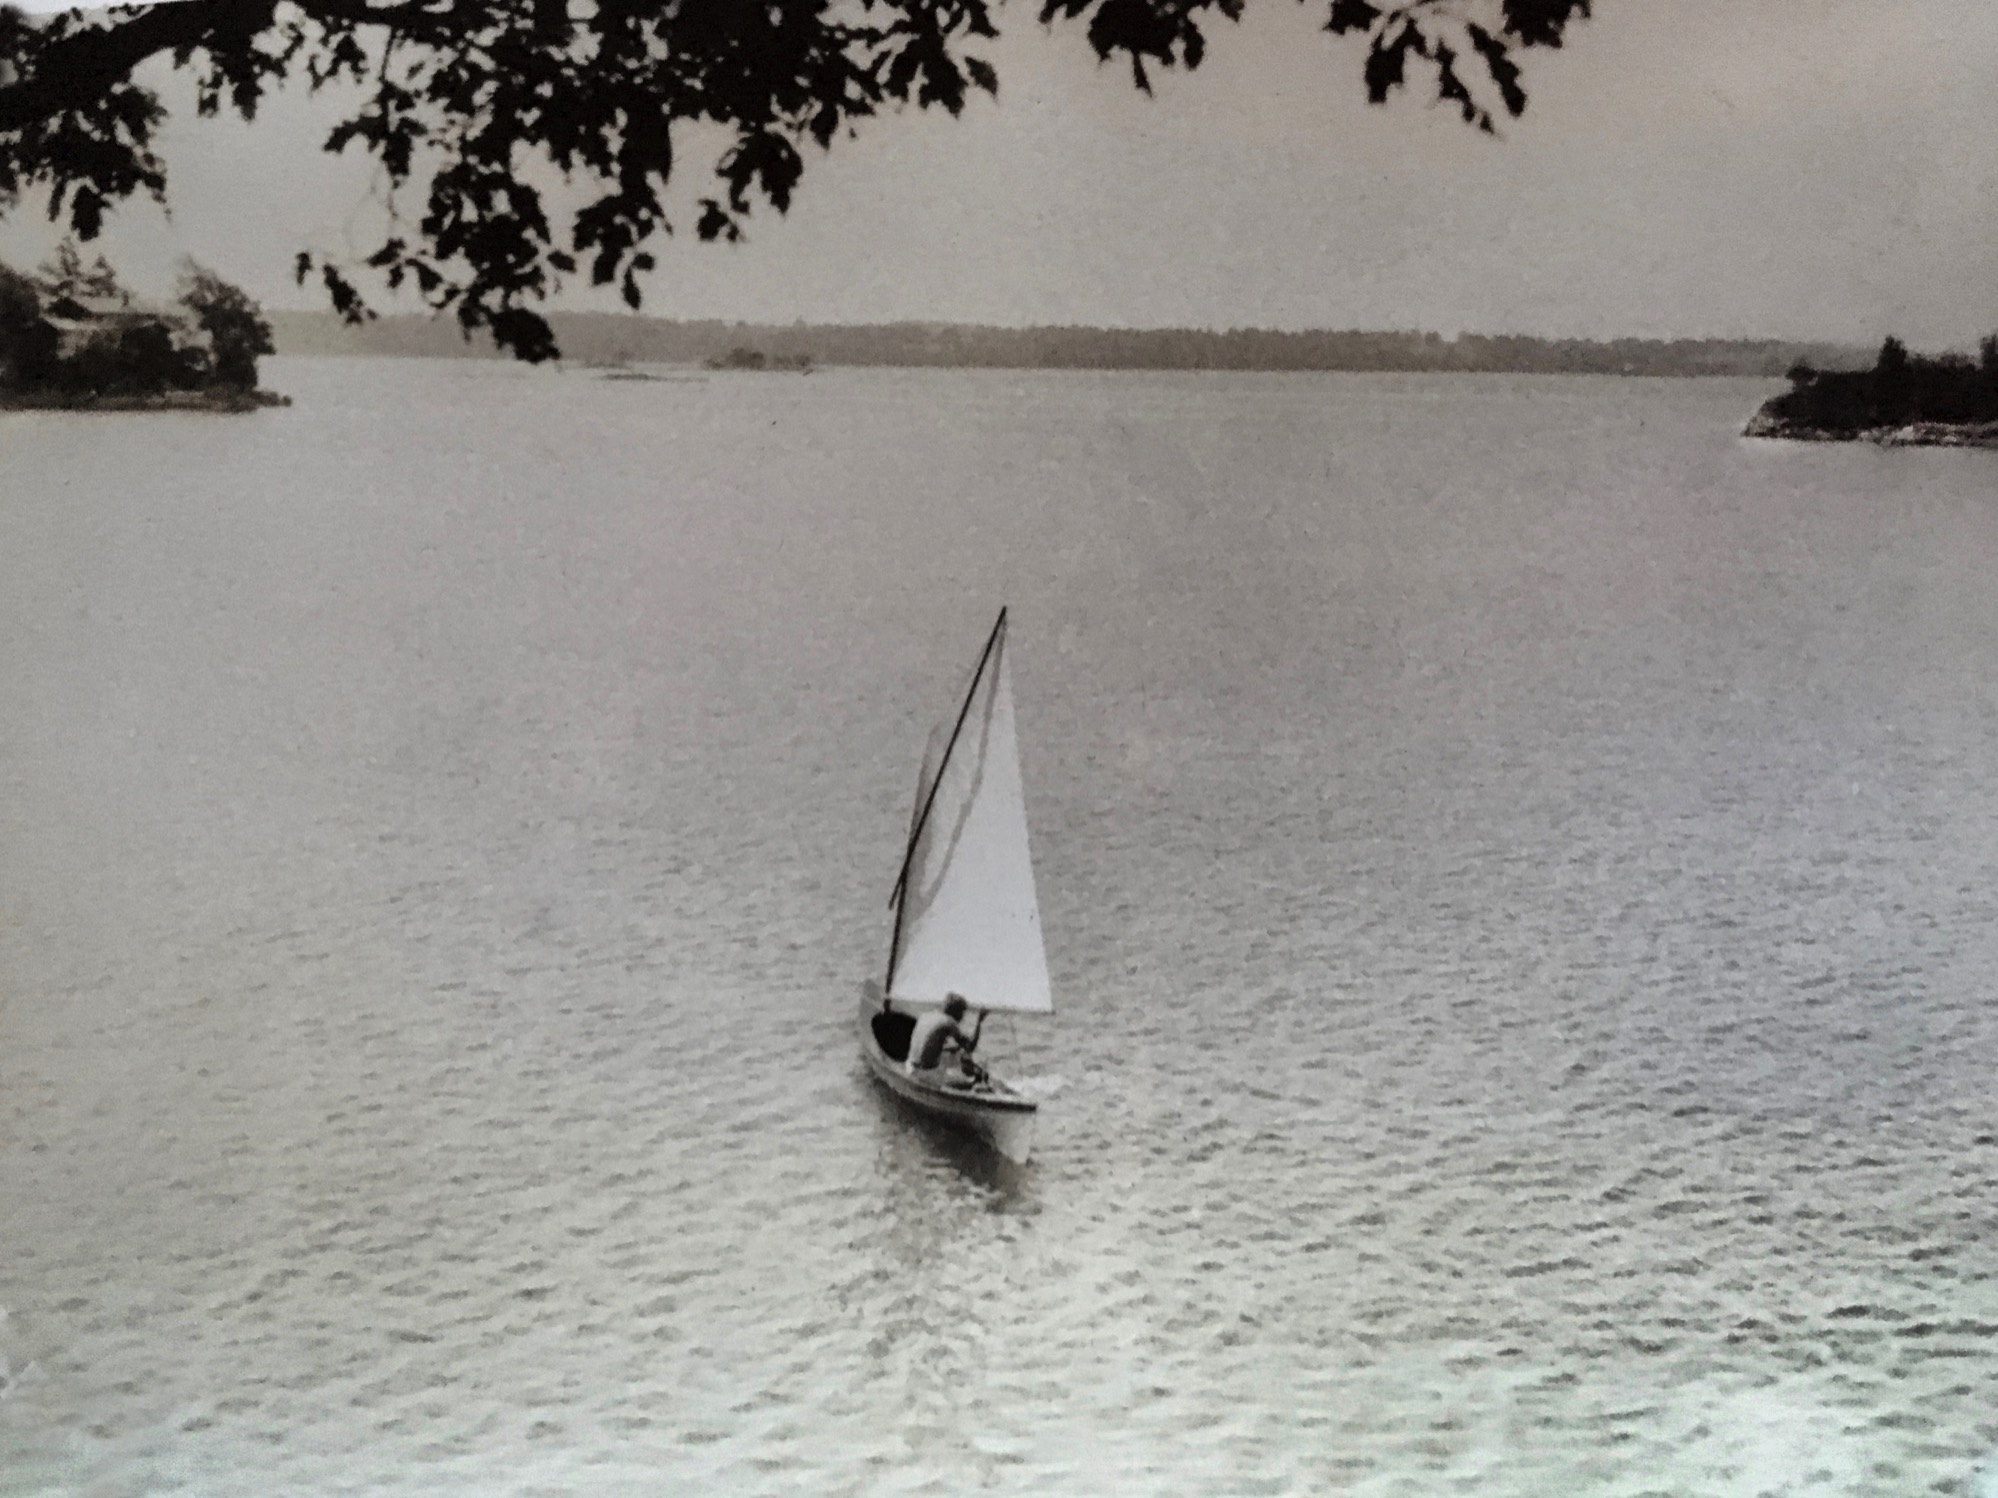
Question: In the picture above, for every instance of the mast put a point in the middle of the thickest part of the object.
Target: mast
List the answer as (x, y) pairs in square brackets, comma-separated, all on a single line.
[(930, 797)]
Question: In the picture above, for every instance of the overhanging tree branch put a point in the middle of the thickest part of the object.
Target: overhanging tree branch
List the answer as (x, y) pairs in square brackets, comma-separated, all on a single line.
[(76, 67), (479, 105)]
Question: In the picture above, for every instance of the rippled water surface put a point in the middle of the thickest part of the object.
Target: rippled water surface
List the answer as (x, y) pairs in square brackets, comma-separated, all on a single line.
[(1519, 868)]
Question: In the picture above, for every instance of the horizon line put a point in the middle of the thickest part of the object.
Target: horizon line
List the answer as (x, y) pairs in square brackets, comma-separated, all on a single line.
[(800, 325)]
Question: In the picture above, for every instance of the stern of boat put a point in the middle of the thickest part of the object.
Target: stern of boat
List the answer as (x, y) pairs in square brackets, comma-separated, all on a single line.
[(1002, 1118)]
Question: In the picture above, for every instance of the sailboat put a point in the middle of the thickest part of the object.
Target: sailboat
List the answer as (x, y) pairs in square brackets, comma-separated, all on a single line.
[(966, 918)]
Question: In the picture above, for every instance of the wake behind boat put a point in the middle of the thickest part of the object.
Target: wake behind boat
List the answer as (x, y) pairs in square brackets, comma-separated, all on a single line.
[(966, 917)]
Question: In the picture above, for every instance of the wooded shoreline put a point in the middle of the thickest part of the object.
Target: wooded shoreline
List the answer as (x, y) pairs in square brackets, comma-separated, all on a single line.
[(1904, 400), (73, 338)]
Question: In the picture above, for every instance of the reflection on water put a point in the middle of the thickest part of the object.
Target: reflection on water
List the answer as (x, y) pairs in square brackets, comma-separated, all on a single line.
[(915, 1143), (1516, 862)]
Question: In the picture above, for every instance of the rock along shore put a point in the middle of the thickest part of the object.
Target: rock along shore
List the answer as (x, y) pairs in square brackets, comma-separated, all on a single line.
[(1914, 434), (218, 401)]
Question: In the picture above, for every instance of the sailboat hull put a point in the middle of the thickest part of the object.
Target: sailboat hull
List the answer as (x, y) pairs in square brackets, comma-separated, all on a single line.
[(1001, 1117)]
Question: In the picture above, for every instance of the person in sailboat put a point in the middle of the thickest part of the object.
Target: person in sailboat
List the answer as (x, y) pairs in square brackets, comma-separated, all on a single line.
[(942, 1030)]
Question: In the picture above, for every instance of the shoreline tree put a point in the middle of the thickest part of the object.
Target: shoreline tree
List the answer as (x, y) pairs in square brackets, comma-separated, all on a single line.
[(468, 104), (237, 333)]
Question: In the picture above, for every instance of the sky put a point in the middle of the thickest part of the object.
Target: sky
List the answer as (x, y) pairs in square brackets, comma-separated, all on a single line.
[(1738, 168)]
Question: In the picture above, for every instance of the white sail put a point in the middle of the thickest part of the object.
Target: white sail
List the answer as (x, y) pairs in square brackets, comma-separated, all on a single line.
[(969, 922)]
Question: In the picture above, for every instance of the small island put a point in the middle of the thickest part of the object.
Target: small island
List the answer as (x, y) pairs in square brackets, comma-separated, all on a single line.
[(1904, 400), (73, 339), (741, 358)]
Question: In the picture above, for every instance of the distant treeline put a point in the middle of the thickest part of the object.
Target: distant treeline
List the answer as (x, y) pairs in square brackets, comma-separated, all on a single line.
[(1901, 390), (594, 338)]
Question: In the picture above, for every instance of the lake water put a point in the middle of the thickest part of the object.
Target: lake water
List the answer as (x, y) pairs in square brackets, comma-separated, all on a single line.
[(1518, 864)]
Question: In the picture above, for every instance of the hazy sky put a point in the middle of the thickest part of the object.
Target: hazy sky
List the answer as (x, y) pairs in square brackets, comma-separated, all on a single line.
[(1795, 168)]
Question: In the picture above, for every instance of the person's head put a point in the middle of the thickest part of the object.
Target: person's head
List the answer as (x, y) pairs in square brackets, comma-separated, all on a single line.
[(954, 1006)]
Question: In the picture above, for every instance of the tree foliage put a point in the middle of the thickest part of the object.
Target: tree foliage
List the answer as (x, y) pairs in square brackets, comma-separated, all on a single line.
[(474, 108), (237, 333), (28, 343), (64, 277)]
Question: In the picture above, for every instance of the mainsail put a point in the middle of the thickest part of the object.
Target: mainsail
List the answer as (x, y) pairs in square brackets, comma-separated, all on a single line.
[(966, 919)]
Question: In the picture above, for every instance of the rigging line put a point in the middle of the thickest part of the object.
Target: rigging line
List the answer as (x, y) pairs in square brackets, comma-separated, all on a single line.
[(957, 730), (936, 784)]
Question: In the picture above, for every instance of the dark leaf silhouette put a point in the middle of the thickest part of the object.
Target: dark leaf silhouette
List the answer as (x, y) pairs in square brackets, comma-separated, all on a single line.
[(1387, 62), (1352, 15), (346, 301), (1504, 71)]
